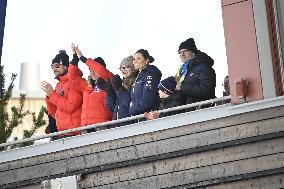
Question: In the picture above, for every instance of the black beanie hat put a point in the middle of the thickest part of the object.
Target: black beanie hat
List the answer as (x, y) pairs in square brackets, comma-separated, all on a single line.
[(188, 44), (61, 58), (168, 85), (100, 61)]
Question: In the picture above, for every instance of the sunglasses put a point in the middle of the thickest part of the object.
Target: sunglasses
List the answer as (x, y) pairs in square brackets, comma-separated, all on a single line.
[(124, 67), (55, 66)]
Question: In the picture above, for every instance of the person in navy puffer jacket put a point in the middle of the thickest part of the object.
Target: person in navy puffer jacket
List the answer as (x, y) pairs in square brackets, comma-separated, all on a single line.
[(123, 88), (144, 93), (119, 90)]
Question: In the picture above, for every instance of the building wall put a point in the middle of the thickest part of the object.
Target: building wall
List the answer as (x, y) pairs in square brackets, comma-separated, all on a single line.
[(241, 46), (31, 104)]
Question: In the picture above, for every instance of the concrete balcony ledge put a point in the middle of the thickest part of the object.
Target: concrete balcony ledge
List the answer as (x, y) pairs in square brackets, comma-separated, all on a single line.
[(140, 128), (214, 135)]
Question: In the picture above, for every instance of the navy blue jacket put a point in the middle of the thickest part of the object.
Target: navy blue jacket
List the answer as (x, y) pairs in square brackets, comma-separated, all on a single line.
[(200, 82), (119, 103), (144, 93)]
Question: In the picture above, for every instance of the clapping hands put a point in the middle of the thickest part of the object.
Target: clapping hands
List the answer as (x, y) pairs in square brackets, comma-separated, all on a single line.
[(47, 88), (76, 50)]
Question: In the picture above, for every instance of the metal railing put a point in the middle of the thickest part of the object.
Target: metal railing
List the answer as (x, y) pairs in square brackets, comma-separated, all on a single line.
[(107, 125)]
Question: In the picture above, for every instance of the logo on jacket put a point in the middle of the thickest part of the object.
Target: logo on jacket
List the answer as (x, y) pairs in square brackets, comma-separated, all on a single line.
[(61, 92), (149, 81), (96, 89)]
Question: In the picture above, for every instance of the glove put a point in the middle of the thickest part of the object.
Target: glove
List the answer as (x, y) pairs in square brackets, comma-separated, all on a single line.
[(116, 82), (105, 86), (51, 127), (75, 60), (83, 59)]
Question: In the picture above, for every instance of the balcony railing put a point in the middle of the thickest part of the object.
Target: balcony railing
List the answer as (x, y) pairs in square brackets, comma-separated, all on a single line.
[(111, 124)]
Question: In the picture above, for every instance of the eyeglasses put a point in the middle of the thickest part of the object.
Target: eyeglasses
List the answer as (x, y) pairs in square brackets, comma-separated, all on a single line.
[(56, 65), (184, 51), (124, 67)]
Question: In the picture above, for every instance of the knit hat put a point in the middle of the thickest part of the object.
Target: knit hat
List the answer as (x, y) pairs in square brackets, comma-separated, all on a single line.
[(168, 85), (100, 61), (188, 44), (61, 58), (128, 62)]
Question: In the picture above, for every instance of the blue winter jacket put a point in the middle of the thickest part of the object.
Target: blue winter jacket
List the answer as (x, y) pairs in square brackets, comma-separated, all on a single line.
[(144, 93), (119, 103)]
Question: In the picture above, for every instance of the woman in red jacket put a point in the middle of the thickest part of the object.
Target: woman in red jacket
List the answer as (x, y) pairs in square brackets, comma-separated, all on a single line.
[(94, 108)]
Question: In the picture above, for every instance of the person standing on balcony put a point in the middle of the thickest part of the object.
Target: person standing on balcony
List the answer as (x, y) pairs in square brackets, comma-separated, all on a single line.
[(64, 103), (94, 108), (196, 78), (144, 93), (119, 97)]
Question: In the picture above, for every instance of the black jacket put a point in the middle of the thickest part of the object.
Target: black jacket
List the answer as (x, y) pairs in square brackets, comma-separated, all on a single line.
[(200, 82), (177, 99)]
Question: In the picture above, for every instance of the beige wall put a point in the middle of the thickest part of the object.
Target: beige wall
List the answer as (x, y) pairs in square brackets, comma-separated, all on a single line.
[(31, 104)]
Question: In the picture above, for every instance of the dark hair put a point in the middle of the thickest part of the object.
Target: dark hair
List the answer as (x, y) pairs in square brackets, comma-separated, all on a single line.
[(146, 55), (100, 61)]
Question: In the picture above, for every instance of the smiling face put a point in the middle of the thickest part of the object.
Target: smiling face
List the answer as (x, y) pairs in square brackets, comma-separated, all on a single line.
[(126, 71), (185, 55), (139, 61), (58, 69)]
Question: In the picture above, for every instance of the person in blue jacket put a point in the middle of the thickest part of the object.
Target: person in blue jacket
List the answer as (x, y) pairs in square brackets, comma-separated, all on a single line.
[(118, 100), (144, 93)]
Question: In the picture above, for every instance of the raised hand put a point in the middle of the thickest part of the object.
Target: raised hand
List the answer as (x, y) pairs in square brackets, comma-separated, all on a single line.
[(75, 58), (73, 47), (78, 52)]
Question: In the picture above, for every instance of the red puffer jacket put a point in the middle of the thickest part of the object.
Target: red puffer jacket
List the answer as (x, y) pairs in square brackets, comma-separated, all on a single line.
[(65, 103), (94, 108)]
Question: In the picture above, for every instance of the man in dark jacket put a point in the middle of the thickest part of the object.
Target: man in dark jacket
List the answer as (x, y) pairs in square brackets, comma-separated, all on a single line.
[(196, 78)]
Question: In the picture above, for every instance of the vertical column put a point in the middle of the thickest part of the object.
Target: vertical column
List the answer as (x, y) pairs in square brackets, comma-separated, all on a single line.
[(3, 4), (242, 51)]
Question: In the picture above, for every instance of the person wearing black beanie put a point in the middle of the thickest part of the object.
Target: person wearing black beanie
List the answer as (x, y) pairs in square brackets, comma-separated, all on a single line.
[(94, 108), (196, 78), (168, 86), (169, 98), (64, 103), (101, 61), (60, 59), (188, 44)]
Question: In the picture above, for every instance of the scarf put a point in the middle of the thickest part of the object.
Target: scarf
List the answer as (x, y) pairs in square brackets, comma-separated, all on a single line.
[(182, 71)]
